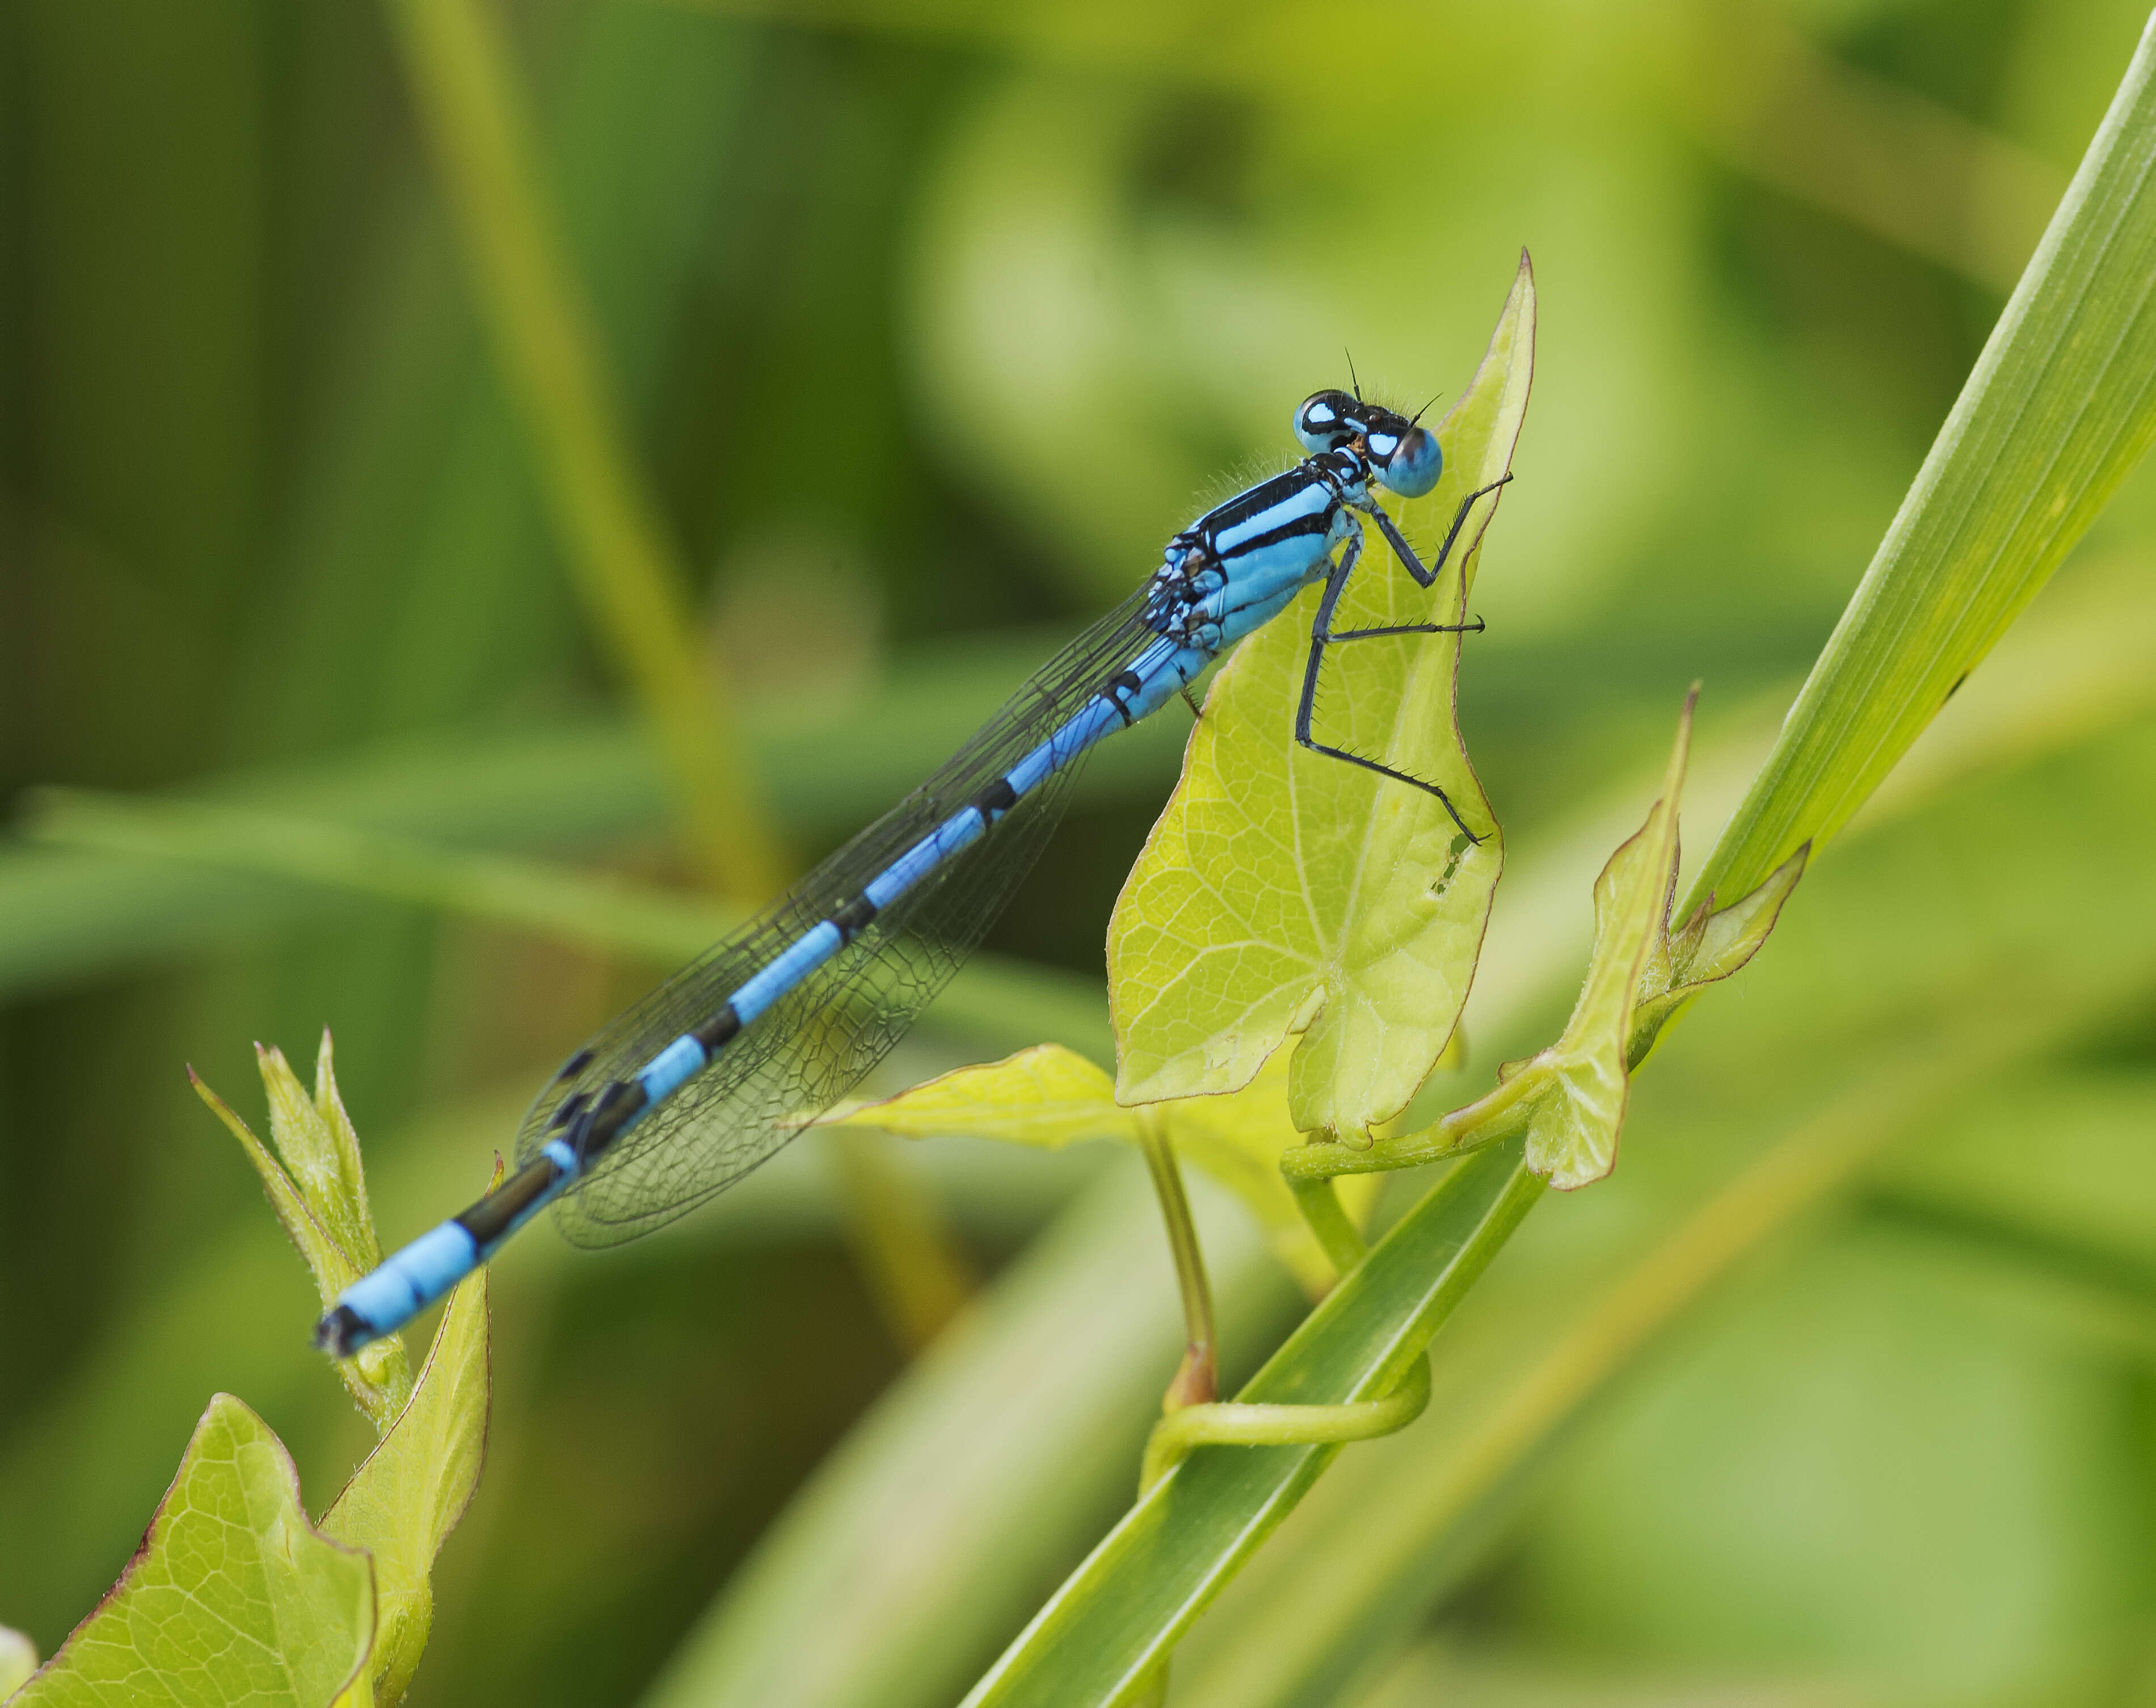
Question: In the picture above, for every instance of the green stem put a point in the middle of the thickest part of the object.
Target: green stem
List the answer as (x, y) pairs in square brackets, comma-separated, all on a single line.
[(1337, 1237), (607, 519), (1198, 1379), (1498, 1115), (610, 915), (992, 998), (917, 1273), (1231, 1425)]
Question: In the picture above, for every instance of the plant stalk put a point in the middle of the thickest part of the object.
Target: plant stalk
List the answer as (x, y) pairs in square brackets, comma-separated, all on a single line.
[(606, 518), (1198, 1379)]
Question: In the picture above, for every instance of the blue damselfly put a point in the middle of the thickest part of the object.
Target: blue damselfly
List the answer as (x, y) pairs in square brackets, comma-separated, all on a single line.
[(718, 1068)]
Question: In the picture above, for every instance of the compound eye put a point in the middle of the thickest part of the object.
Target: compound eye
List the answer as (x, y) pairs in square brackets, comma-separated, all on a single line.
[(1321, 422), (1413, 468)]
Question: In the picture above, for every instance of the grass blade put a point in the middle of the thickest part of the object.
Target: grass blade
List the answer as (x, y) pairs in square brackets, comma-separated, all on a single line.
[(993, 997), (1103, 1633), (2060, 406), (609, 520)]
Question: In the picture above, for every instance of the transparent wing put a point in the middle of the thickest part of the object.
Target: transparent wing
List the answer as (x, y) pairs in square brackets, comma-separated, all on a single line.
[(813, 1044)]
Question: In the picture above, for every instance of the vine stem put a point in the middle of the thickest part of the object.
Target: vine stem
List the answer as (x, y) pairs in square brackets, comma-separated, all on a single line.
[(1498, 1114), (1235, 1425), (1194, 1424), (1199, 1378), (1337, 1236)]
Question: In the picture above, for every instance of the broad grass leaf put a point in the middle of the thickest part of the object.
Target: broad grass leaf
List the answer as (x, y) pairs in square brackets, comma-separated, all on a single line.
[(233, 1597), (2057, 412), (1285, 892), (412, 1491)]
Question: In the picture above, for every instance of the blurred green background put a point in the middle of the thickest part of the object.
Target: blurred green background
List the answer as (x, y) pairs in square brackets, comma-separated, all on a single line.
[(926, 323)]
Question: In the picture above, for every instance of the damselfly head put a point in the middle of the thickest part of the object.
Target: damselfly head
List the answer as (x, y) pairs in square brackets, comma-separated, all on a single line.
[(1402, 456)]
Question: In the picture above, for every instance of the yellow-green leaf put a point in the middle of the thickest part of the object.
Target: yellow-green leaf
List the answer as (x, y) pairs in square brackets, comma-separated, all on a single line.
[(414, 1487), (1047, 1096), (378, 1376), (339, 1144), (233, 1597), (1285, 892), (1577, 1107), (1709, 946), (331, 1264)]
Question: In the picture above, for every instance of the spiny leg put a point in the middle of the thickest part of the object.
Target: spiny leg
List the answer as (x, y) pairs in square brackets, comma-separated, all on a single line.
[(1473, 628), (1320, 635), (1406, 553)]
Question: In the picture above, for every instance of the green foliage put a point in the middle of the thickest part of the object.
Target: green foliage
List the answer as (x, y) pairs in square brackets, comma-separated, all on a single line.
[(1050, 1096), (1109, 1629), (315, 1187), (234, 1596), (402, 1503)]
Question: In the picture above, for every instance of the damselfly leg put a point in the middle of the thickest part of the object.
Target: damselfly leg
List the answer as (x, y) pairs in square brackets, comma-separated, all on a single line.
[(1323, 634)]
